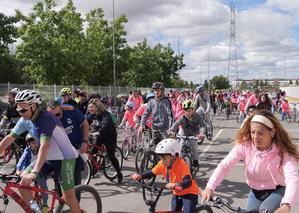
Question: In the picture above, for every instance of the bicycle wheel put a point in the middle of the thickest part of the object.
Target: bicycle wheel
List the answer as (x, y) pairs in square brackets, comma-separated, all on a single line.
[(209, 130), (86, 172), (8, 161), (108, 169), (289, 118), (203, 209), (148, 162), (125, 147), (90, 200), (294, 116), (138, 159), (188, 161)]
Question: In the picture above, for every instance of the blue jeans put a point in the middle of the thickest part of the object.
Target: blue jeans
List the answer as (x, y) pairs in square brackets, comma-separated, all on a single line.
[(266, 204), (187, 202)]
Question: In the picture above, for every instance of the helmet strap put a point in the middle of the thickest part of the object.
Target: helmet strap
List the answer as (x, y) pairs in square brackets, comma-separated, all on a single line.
[(171, 162), (35, 113)]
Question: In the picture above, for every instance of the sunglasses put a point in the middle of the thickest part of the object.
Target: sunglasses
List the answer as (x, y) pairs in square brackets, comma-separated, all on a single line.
[(23, 110)]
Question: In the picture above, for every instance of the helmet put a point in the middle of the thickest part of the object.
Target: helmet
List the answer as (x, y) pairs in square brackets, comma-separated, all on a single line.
[(28, 96), (15, 90), (104, 100), (200, 88), (59, 99), (65, 91), (168, 146), (130, 104), (158, 85), (188, 104), (29, 137), (149, 95)]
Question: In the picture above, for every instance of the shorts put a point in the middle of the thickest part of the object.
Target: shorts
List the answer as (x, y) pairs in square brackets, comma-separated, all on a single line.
[(63, 170)]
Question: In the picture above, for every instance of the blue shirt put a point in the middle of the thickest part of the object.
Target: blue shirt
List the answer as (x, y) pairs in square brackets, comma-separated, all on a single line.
[(71, 121)]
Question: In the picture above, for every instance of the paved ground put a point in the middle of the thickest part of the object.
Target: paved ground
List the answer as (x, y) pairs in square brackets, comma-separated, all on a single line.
[(127, 197)]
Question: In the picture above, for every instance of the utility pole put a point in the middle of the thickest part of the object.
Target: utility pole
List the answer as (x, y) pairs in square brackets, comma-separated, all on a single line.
[(209, 71), (179, 56), (114, 56), (232, 71)]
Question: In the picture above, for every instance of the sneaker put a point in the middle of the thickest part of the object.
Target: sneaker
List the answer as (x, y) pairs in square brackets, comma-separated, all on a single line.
[(120, 178), (195, 163)]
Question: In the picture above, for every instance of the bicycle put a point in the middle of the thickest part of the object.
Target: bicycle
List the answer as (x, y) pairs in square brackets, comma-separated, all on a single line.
[(155, 194), (224, 206), (142, 147), (130, 142), (186, 153), (85, 199), (208, 126), (96, 159)]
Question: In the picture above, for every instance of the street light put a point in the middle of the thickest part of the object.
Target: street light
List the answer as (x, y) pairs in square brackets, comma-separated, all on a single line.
[(114, 56)]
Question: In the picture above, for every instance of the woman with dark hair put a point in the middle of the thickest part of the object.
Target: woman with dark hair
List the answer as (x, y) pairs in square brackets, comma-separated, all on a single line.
[(271, 165), (264, 102), (103, 128)]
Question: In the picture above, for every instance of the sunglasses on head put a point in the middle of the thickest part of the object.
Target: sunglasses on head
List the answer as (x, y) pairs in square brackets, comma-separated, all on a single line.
[(23, 110)]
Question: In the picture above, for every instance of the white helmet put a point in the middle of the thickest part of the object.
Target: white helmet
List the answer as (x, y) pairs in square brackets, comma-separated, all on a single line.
[(28, 96), (168, 146), (15, 90), (29, 137)]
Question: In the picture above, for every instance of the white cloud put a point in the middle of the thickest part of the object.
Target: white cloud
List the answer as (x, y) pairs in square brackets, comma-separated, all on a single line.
[(266, 39)]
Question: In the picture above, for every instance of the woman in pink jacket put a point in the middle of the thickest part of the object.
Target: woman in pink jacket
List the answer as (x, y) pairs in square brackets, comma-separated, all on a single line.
[(271, 165)]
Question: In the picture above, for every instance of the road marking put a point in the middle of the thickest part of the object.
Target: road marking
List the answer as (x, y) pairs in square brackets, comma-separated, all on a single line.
[(217, 135), (211, 142)]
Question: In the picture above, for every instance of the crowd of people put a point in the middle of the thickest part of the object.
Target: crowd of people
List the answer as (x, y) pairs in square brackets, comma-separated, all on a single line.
[(57, 134)]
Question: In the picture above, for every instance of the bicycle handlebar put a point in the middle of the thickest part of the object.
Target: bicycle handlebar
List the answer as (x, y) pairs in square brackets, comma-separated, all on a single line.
[(218, 202), (5, 178), (186, 137)]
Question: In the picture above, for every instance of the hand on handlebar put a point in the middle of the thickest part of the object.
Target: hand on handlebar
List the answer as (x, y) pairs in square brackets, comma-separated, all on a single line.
[(173, 186), (136, 176), (206, 195), (201, 136), (170, 134)]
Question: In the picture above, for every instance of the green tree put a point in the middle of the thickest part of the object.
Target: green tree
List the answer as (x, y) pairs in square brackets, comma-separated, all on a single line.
[(8, 32), (262, 84), (220, 82), (243, 86), (206, 84), (53, 44), (297, 82), (290, 82)]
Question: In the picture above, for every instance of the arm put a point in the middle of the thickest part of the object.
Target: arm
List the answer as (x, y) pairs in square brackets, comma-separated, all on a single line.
[(7, 141), (208, 102), (146, 113), (85, 133), (175, 126), (24, 160)]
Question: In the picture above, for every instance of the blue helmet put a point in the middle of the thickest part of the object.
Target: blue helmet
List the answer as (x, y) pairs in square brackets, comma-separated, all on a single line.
[(130, 104), (149, 95)]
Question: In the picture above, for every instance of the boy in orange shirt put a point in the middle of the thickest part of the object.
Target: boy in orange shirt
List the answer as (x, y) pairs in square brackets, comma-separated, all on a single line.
[(176, 173)]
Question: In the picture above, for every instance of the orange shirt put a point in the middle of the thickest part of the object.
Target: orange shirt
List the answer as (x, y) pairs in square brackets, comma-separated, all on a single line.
[(176, 174)]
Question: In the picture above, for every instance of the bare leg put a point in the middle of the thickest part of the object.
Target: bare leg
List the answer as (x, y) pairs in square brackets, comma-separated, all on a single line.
[(70, 198)]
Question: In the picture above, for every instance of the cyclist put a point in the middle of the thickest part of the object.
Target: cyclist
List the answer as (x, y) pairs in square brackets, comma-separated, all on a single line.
[(77, 129), (190, 124), (66, 93), (83, 103), (253, 99), (202, 102), (128, 119), (177, 175), (136, 99), (271, 164), (11, 109), (29, 155), (76, 94), (161, 111), (55, 146), (104, 131)]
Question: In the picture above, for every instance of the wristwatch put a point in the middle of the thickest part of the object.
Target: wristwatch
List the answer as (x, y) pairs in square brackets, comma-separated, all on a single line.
[(286, 204), (34, 172)]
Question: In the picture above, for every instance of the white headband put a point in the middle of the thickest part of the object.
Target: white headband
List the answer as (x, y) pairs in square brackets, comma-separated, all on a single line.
[(262, 119)]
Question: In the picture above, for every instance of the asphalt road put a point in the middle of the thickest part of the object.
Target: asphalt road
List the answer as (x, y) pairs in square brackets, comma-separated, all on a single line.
[(127, 197)]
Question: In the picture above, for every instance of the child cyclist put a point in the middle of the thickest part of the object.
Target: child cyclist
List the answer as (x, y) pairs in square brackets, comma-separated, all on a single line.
[(29, 155), (177, 175)]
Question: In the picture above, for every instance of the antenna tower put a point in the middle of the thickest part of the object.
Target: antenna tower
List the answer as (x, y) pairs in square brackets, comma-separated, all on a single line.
[(232, 71)]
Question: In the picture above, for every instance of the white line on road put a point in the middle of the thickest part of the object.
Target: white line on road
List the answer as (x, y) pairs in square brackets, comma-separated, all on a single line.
[(214, 138), (218, 134)]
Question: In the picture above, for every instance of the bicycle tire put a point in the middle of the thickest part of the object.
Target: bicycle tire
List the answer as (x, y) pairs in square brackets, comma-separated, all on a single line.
[(108, 169), (9, 161), (86, 172), (188, 161), (138, 159), (84, 200), (203, 209), (125, 149), (294, 116), (209, 131), (289, 118), (148, 162)]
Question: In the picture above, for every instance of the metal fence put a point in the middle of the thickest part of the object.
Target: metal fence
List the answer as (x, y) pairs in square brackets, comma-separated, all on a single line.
[(51, 91)]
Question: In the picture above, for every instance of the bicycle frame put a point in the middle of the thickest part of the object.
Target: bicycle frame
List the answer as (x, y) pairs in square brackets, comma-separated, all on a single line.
[(8, 191), (100, 151)]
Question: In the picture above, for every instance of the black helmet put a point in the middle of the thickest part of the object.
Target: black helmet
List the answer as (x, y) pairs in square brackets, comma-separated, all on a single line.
[(158, 85), (104, 100)]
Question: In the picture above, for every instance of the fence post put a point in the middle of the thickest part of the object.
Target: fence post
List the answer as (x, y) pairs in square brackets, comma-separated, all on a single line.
[(110, 91), (8, 86), (33, 86), (72, 87), (99, 90), (55, 90)]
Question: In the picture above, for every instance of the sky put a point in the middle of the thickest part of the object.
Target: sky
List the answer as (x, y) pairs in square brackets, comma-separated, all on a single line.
[(267, 32)]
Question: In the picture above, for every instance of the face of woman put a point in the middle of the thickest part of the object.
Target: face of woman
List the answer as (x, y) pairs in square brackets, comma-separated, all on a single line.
[(92, 109), (261, 136), (263, 98)]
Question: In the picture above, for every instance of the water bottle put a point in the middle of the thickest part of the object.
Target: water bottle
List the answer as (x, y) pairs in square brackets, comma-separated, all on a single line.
[(35, 207)]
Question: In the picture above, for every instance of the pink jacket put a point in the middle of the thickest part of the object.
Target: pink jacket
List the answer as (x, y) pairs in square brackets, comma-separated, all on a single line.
[(262, 170)]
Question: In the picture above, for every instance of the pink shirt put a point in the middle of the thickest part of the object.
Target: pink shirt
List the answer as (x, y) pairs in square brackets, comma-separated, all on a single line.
[(262, 170), (136, 100), (285, 107), (129, 117), (252, 100), (140, 111), (242, 106)]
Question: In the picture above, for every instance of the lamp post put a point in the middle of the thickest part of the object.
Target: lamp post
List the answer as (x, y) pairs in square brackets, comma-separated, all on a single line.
[(114, 56)]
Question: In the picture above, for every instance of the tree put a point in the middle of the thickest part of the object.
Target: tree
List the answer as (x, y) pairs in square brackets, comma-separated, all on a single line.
[(243, 86), (290, 82), (53, 44), (296, 81), (220, 82), (262, 84), (206, 84), (8, 32)]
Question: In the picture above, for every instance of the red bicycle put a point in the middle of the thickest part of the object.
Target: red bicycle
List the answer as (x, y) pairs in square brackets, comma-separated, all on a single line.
[(96, 159), (90, 200)]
